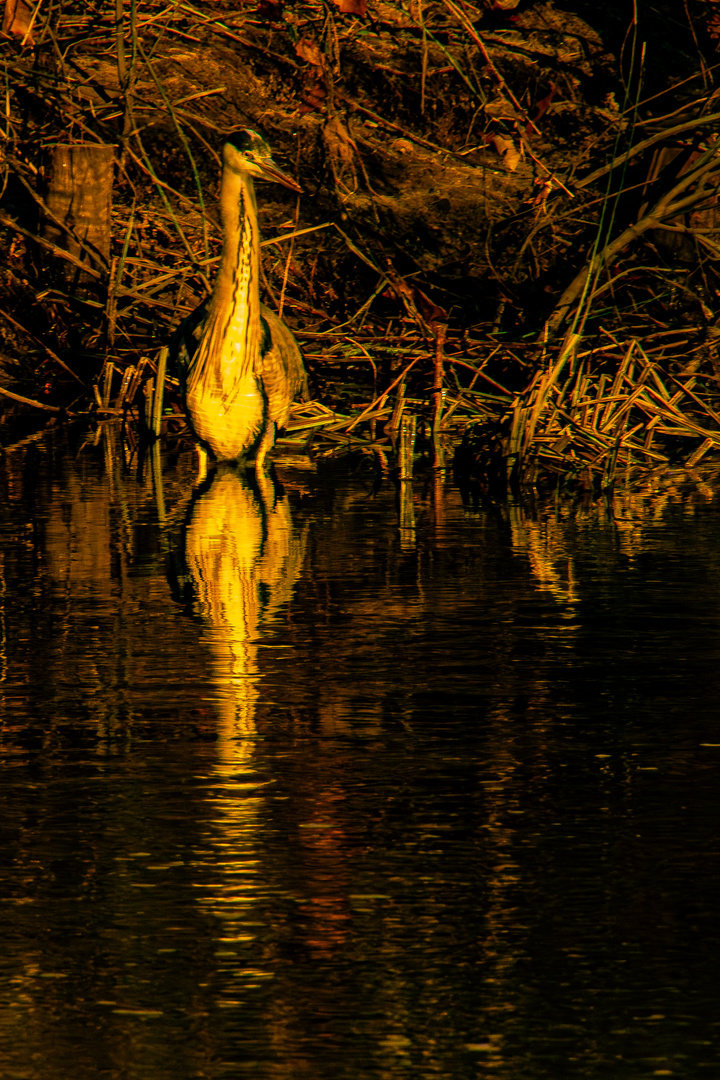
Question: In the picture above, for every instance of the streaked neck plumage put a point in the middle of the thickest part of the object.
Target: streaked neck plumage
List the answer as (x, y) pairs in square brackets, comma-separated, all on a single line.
[(236, 293), (223, 394)]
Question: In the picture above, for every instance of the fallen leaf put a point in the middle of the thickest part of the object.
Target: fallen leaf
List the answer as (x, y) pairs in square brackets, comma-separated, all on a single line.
[(311, 52), (17, 20), (351, 7), (507, 151)]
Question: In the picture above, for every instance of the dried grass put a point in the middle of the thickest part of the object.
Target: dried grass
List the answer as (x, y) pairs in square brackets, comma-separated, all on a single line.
[(624, 392)]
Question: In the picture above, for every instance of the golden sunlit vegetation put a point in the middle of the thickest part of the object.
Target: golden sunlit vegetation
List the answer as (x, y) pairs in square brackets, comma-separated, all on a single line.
[(509, 225)]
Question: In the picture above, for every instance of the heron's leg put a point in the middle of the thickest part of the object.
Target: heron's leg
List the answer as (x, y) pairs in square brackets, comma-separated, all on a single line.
[(202, 463), (266, 489), (266, 443)]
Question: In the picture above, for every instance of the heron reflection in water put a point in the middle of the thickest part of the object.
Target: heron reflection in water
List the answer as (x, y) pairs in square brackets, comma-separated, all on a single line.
[(239, 563), (239, 364)]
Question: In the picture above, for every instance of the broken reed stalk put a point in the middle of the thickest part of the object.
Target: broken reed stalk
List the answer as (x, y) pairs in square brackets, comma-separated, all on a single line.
[(394, 422), (106, 379), (159, 393), (406, 450)]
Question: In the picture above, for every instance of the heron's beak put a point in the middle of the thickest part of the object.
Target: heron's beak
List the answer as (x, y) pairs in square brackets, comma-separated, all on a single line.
[(270, 171)]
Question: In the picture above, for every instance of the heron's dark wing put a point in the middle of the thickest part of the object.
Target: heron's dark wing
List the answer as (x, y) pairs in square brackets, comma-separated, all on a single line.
[(280, 368), (185, 340)]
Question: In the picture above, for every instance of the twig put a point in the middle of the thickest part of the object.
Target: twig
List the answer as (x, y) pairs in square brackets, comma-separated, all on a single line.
[(378, 401), (29, 401)]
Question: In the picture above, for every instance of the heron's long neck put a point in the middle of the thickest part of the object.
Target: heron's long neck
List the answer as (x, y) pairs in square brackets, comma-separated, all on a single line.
[(236, 294)]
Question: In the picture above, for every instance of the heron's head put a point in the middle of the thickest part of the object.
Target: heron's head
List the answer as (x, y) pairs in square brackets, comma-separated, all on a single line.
[(246, 152)]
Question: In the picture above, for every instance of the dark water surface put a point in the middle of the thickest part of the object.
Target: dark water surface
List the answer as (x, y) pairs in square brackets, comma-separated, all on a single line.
[(287, 792)]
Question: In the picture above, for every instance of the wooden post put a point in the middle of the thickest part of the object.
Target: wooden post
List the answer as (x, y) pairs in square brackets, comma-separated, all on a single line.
[(79, 180)]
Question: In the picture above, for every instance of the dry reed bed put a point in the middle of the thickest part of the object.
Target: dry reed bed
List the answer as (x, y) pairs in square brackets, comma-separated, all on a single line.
[(633, 402)]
